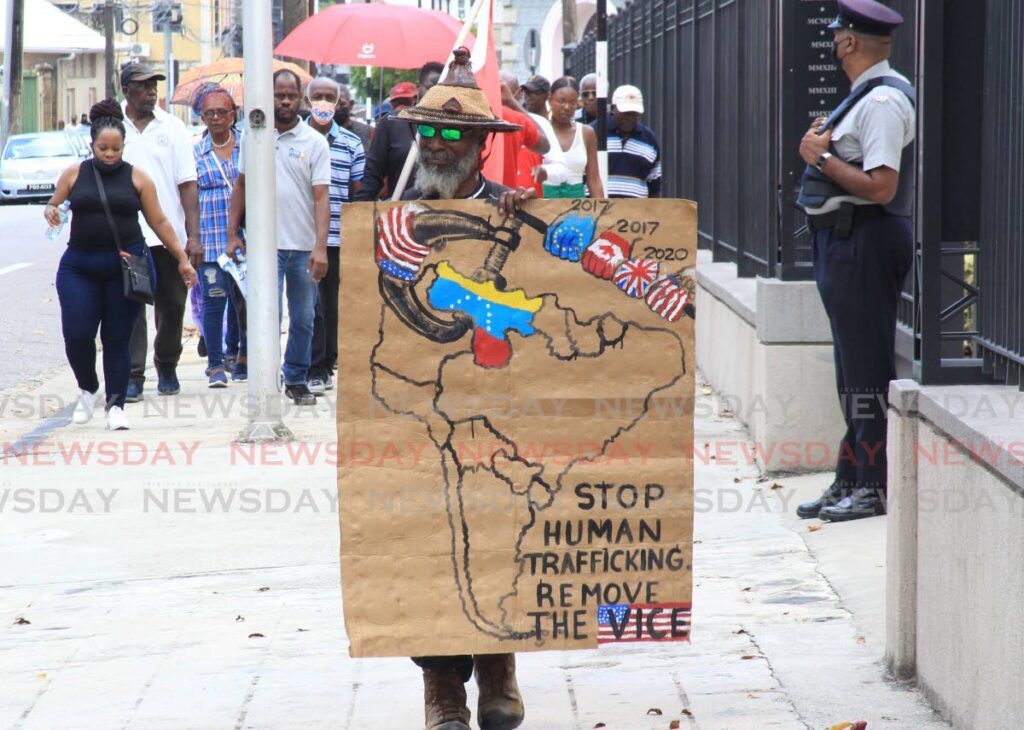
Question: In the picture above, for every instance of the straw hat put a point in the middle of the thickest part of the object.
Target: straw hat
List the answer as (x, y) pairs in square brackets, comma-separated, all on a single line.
[(457, 102)]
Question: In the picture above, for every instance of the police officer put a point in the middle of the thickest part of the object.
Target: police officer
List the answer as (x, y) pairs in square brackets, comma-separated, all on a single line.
[(858, 193)]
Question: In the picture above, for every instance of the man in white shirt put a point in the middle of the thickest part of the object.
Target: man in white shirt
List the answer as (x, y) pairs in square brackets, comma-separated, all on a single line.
[(158, 143), (303, 171)]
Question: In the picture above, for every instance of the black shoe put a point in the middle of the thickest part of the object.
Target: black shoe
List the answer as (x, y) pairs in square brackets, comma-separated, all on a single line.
[(829, 498), (864, 502), (133, 393), (202, 346), (167, 381), (300, 394)]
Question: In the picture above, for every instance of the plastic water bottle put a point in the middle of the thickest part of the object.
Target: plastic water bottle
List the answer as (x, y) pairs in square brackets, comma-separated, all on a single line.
[(53, 232)]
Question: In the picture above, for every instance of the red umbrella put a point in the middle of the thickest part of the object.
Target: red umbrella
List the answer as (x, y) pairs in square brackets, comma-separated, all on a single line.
[(373, 34)]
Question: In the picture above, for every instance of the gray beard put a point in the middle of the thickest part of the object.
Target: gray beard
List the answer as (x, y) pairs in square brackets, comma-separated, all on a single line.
[(444, 180)]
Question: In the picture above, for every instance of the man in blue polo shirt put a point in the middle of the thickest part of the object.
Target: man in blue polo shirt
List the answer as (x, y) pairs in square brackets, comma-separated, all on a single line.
[(634, 155)]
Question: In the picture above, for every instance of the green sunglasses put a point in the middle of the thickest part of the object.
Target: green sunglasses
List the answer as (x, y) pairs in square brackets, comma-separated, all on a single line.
[(447, 133)]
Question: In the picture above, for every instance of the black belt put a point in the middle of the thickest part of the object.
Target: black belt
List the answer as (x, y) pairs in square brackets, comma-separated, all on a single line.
[(844, 218)]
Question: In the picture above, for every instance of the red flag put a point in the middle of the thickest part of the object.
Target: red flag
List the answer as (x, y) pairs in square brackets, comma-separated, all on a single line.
[(488, 76)]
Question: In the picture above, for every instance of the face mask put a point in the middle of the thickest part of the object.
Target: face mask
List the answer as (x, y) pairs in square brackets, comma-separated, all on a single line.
[(835, 51), (322, 111)]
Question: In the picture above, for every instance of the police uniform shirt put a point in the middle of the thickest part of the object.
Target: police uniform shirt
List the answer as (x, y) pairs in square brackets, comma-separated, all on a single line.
[(874, 132)]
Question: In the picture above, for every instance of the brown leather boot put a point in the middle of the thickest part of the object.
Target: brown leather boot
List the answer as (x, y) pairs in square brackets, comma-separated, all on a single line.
[(444, 700), (500, 706)]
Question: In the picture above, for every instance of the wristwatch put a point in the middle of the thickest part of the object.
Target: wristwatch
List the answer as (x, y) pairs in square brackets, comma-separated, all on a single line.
[(820, 164)]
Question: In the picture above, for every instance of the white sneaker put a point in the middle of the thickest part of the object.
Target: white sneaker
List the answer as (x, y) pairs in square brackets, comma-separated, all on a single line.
[(116, 420), (317, 387), (84, 409)]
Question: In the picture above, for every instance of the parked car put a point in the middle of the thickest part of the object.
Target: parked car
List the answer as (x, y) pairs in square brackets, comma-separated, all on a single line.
[(31, 164)]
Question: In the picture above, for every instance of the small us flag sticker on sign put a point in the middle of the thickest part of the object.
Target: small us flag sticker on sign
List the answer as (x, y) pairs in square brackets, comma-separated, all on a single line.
[(643, 622)]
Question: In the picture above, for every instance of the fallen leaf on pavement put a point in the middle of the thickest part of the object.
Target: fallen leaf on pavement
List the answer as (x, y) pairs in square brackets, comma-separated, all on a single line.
[(654, 711), (814, 528), (748, 656), (239, 617), (264, 589), (21, 621), (674, 725), (302, 629), (860, 639), (745, 589), (776, 485), (257, 636), (41, 675), (738, 631), (687, 712), (859, 725), (600, 724), (736, 480)]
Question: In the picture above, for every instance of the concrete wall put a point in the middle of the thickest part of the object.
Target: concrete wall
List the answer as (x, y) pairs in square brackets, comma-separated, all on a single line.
[(956, 549), (765, 346)]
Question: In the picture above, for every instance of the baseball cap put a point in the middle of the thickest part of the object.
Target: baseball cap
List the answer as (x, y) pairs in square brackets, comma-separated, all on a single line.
[(537, 83), (628, 99), (404, 90), (139, 72)]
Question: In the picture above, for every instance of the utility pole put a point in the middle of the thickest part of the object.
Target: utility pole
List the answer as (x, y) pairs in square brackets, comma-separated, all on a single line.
[(294, 12), (108, 51), (13, 44), (264, 407), (236, 28), (568, 22), (168, 54)]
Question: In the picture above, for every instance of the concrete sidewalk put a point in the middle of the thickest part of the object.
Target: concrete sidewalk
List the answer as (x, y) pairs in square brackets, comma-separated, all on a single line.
[(132, 595)]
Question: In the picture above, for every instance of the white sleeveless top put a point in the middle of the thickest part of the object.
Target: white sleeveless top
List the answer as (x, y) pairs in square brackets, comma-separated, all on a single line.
[(576, 157)]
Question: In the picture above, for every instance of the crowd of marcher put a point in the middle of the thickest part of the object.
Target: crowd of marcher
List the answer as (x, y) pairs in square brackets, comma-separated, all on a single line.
[(192, 227)]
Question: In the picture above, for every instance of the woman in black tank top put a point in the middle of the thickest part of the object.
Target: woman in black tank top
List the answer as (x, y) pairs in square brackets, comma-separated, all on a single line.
[(89, 279)]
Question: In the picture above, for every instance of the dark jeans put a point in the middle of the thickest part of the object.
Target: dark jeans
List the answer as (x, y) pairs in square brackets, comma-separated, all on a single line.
[(325, 322), (91, 293), (233, 336), (218, 290), (169, 307), (463, 664), (860, 279)]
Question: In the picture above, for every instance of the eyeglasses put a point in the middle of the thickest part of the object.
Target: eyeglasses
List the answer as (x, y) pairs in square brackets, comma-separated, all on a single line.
[(215, 113), (447, 133), (588, 94)]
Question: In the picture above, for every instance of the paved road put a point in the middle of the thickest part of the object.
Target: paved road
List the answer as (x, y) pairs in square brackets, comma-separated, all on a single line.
[(28, 299)]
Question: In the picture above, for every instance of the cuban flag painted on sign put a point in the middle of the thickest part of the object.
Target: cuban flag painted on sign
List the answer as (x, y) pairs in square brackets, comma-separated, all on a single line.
[(635, 276), (398, 253)]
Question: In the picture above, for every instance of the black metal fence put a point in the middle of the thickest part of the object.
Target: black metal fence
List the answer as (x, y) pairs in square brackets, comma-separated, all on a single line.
[(729, 95), (708, 91)]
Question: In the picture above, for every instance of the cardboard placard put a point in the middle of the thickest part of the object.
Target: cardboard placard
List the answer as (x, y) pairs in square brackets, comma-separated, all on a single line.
[(515, 425)]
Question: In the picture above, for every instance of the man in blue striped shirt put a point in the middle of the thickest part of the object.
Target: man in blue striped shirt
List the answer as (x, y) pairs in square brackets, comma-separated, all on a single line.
[(634, 155), (348, 161)]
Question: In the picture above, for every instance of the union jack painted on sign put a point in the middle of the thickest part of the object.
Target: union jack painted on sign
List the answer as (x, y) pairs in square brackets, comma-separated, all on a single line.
[(635, 276)]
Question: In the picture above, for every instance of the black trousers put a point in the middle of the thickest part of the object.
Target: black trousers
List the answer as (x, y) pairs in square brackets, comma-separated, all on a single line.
[(325, 319), (169, 308), (860, 279), (463, 664)]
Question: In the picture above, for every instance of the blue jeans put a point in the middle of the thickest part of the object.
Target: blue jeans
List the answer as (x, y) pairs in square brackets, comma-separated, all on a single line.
[(291, 267), (218, 291), (233, 331), (91, 293)]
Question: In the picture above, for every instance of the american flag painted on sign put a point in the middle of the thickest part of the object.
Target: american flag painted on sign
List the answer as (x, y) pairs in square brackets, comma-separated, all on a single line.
[(624, 622), (398, 253), (668, 298), (635, 276)]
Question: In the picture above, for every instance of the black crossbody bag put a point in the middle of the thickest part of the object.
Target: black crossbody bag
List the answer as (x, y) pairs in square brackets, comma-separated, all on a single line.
[(138, 284)]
